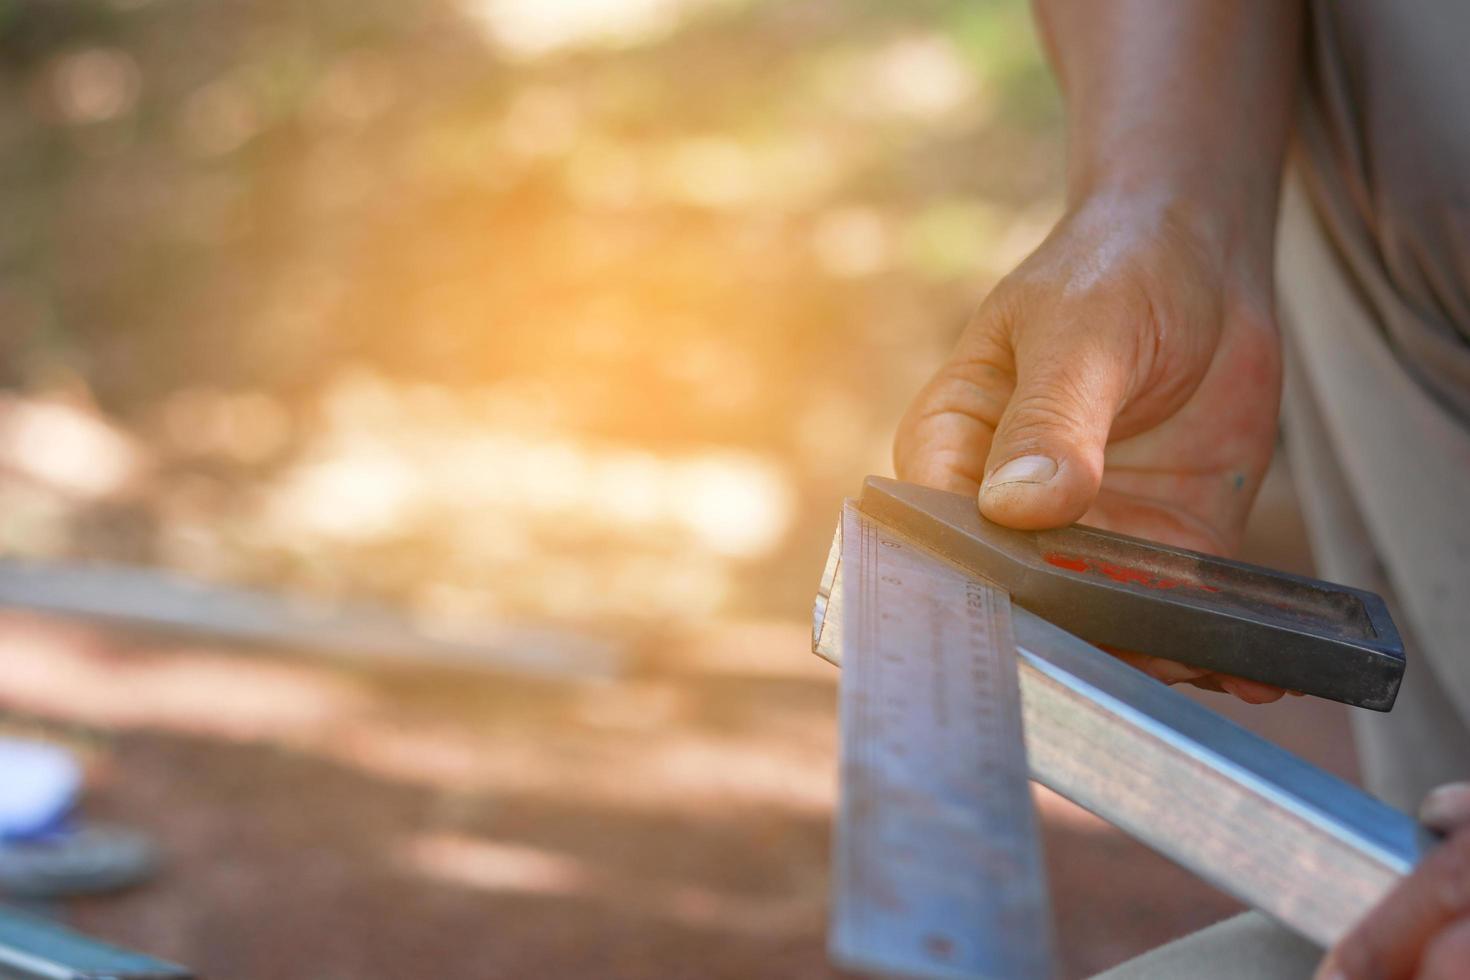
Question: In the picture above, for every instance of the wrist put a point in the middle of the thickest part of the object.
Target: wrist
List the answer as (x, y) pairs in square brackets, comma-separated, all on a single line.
[(1230, 224)]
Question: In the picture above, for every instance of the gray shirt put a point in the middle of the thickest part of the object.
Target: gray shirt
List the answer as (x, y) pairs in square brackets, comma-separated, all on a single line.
[(1384, 147)]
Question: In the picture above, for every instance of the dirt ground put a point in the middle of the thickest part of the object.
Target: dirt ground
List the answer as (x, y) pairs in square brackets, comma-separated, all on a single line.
[(332, 822)]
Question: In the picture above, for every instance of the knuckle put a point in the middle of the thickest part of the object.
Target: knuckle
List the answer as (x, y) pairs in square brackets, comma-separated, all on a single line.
[(967, 377), (1043, 409), (945, 434), (1012, 294), (992, 323), (972, 388)]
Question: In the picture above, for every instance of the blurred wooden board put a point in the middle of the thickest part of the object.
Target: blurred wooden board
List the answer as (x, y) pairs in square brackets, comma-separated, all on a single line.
[(151, 600)]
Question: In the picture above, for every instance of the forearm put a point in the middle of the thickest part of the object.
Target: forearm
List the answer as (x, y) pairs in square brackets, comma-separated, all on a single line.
[(1184, 98)]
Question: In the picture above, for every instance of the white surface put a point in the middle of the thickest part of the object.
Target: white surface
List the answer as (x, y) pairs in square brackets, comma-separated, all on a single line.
[(38, 784)]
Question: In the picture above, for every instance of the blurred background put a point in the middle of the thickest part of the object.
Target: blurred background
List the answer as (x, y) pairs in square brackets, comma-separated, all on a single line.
[(551, 332)]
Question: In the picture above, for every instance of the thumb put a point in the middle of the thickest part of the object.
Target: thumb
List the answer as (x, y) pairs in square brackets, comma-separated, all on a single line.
[(1046, 460)]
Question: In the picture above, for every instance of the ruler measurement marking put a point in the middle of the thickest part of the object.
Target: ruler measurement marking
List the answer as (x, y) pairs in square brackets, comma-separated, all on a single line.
[(939, 871)]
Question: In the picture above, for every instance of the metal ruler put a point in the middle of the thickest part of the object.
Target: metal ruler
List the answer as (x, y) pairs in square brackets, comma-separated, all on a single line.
[(939, 875), (32, 948), (938, 862)]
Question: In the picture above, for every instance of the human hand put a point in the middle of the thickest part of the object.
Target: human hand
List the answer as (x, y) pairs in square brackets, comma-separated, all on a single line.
[(1127, 375), (1421, 931)]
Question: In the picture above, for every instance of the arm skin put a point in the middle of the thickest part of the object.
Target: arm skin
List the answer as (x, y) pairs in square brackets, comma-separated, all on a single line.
[(1190, 100), (1128, 373)]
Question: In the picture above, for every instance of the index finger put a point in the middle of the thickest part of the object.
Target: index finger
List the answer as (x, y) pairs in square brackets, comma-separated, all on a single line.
[(945, 436)]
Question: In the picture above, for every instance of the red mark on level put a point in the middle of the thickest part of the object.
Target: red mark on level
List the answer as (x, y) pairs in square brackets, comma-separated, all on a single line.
[(1122, 573), (1069, 563)]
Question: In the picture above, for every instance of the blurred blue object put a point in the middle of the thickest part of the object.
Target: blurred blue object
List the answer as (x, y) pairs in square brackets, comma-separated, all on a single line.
[(44, 851), (39, 788)]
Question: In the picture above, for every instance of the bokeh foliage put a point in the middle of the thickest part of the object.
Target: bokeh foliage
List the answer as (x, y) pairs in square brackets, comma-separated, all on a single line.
[(254, 238)]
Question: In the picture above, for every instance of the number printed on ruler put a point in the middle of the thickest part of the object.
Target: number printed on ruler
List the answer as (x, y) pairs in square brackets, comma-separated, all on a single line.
[(937, 856), (945, 703)]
